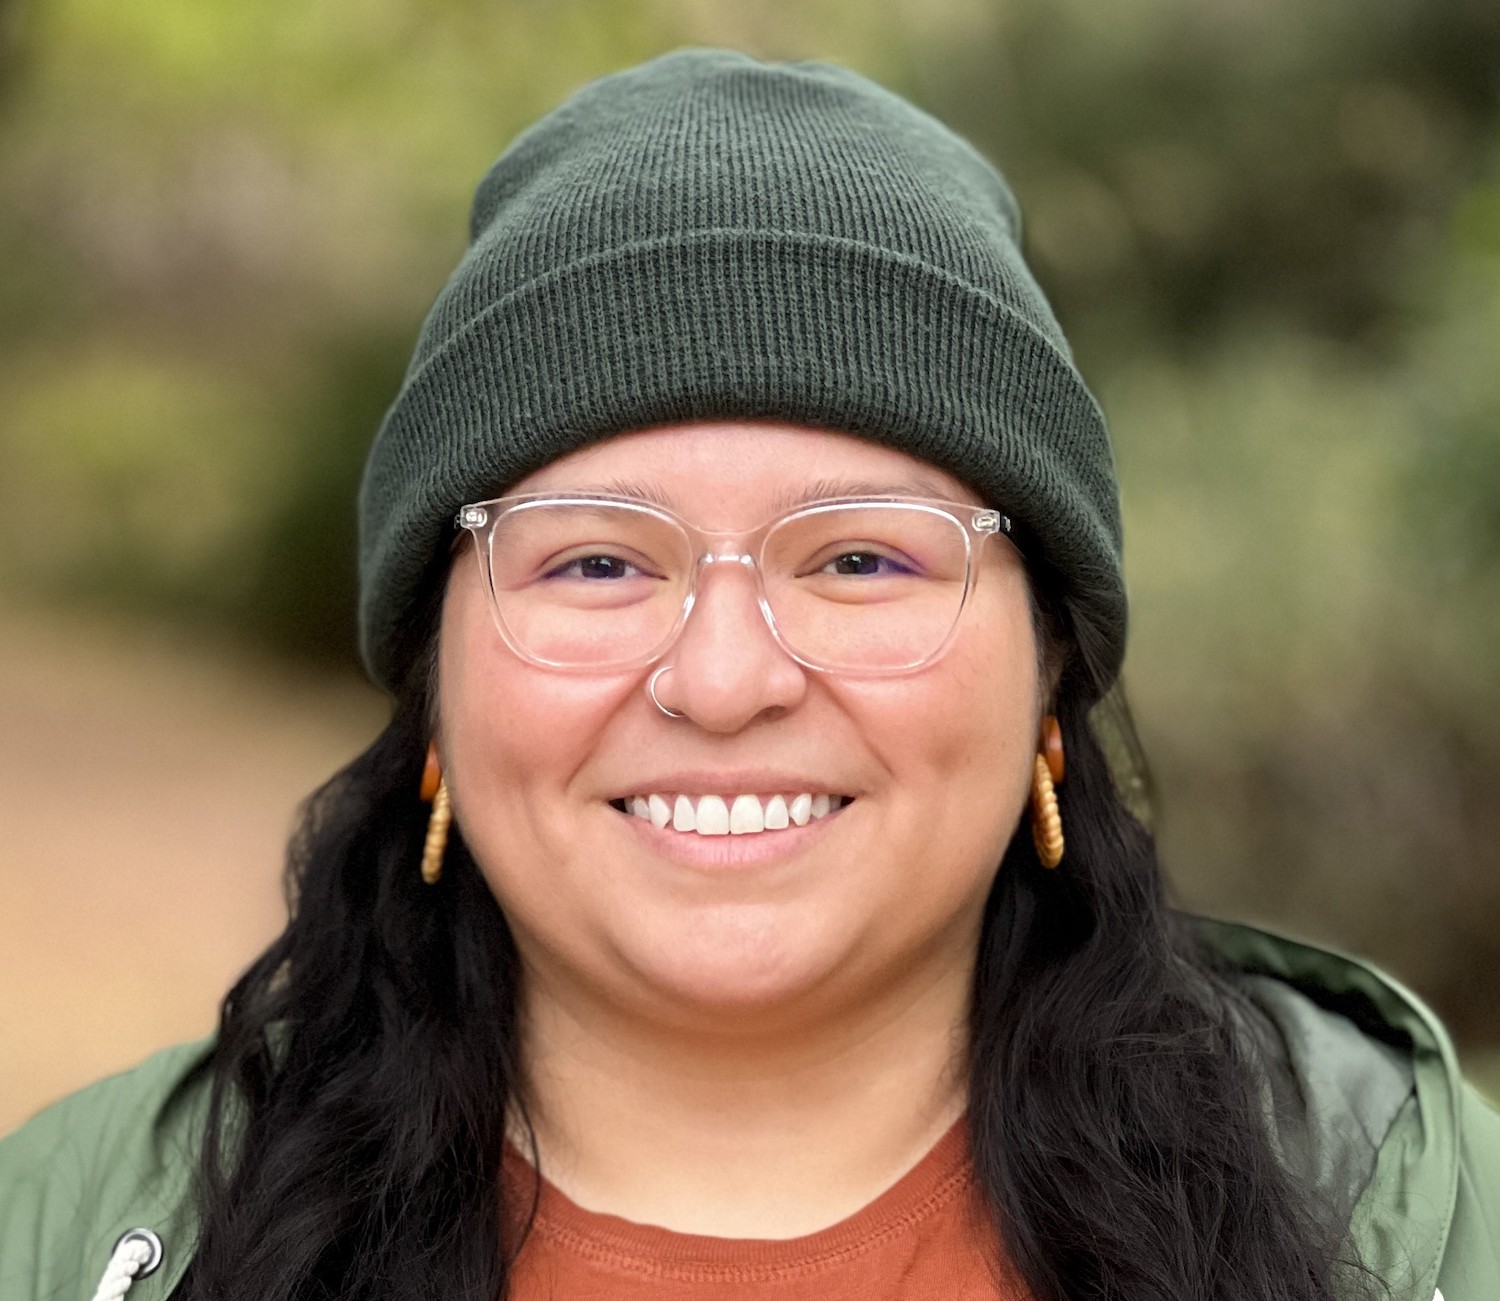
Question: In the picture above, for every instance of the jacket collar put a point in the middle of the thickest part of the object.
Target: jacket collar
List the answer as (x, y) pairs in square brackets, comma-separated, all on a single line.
[(1402, 1214)]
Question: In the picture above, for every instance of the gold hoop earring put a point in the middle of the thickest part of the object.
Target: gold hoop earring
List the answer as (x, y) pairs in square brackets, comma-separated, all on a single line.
[(1046, 819), (435, 790)]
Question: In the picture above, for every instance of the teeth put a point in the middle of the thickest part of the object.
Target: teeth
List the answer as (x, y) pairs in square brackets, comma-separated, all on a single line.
[(776, 817), (713, 816), (661, 811), (745, 815), (734, 815)]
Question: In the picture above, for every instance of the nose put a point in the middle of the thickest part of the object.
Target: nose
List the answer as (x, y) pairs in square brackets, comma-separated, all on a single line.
[(727, 668)]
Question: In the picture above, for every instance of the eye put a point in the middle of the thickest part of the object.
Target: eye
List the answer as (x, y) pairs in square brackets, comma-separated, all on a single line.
[(595, 567), (865, 564)]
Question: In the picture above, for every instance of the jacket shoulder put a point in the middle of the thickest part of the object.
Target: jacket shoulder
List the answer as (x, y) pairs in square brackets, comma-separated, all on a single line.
[(1471, 1260), (117, 1155)]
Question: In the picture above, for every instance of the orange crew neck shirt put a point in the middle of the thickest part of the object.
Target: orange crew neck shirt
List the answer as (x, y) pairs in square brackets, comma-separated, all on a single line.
[(926, 1238)]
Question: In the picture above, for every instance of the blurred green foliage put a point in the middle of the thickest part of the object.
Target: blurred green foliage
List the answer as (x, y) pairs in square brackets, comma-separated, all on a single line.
[(1272, 229)]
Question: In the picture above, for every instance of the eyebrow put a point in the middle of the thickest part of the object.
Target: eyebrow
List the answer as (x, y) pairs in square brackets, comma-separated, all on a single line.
[(914, 485)]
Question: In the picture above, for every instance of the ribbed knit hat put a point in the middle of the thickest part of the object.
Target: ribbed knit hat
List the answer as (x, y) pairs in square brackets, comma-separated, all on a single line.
[(709, 236)]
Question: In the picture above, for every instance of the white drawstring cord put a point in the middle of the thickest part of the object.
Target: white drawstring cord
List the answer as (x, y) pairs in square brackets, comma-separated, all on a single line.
[(137, 1254)]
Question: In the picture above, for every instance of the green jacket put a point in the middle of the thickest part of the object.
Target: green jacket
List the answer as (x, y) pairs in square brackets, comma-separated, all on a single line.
[(1372, 1107)]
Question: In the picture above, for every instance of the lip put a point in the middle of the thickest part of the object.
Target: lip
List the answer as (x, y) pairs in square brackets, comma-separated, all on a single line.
[(728, 853), (738, 781)]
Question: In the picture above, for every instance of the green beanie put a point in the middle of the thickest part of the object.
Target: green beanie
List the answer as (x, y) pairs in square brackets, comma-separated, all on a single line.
[(710, 236)]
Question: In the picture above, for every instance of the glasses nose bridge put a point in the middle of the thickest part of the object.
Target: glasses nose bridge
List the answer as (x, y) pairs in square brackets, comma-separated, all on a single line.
[(721, 546), (726, 557), (724, 547), (727, 548)]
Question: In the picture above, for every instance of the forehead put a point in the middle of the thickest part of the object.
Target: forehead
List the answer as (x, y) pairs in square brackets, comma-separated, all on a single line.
[(743, 469)]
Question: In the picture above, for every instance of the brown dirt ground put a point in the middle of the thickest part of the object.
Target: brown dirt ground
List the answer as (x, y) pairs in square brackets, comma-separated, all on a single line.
[(146, 791)]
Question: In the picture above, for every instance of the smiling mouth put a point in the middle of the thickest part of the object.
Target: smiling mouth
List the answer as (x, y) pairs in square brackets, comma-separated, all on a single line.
[(735, 815)]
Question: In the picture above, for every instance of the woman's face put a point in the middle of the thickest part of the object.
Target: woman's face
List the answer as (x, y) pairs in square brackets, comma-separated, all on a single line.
[(885, 892)]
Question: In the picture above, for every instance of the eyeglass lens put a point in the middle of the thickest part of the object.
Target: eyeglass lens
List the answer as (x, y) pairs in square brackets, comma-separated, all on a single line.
[(849, 586)]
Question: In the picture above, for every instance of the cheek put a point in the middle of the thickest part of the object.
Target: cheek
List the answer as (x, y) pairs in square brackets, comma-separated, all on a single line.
[(995, 715), (957, 740), (999, 680), (982, 765), (513, 737), (983, 698), (514, 732)]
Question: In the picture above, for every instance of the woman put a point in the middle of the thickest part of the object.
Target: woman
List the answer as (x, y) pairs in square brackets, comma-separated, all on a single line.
[(739, 903)]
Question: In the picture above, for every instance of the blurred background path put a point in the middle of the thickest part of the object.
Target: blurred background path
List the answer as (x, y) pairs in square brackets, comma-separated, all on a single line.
[(146, 790)]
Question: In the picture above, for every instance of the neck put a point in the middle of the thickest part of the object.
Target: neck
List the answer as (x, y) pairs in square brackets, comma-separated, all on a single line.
[(774, 1132)]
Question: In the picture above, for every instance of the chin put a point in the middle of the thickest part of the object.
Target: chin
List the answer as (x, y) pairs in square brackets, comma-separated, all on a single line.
[(745, 970)]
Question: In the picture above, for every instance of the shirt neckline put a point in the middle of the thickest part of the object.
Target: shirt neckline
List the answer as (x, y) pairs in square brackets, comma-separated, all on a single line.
[(932, 1184)]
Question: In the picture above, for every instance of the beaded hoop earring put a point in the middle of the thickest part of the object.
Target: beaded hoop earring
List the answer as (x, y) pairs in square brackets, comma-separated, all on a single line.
[(435, 792), (1047, 772)]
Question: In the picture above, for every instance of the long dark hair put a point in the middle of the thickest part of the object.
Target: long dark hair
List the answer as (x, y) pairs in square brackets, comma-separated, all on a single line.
[(365, 1064)]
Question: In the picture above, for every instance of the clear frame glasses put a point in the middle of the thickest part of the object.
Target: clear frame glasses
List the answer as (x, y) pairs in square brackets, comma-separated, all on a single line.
[(594, 582)]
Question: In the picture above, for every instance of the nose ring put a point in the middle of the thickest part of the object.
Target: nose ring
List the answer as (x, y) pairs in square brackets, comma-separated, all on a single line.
[(651, 691)]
